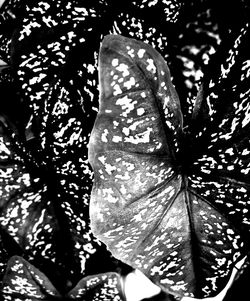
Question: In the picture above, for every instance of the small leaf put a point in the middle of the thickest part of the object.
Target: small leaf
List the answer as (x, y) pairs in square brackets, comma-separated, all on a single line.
[(102, 287), (23, 281)]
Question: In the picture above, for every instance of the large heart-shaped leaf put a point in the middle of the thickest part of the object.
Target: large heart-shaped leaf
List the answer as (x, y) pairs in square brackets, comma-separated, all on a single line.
[(166, 200), (23, 281)]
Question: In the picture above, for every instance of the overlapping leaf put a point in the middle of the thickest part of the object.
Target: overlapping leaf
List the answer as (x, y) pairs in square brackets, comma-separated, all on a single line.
[(51, 48), (23, 281), (170, 202), (42, 207), (187, 45), (45, 177)]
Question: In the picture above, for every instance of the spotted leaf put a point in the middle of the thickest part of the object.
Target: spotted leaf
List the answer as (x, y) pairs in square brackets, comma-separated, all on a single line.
[(23, 281), (158, 202), (25, 215), (44, 207), (45, 177)]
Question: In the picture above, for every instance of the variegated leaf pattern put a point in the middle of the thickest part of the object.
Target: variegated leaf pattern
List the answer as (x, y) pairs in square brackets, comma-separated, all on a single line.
[(23, 281), (45, 177), (44, 206), (26, 212), (158, 200), (52, 46)]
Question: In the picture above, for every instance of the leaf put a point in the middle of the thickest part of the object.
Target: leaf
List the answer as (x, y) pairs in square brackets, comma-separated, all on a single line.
[(160, 202), (9, 12), (168, 11), (23, 281), (45, 178), (25, 215), (106, 286), (51, 47), (43, 208), (53, 90)]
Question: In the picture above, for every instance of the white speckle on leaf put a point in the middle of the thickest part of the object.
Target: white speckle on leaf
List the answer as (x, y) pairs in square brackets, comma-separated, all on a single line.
[(115, 123), (125, 176), (117, 139), (125, 131), (115, 62), (133, 126), (140, 111), (152, 3), (130, 166), (151, 66), (124, 69), (102, 159), (104, 136), (123, 189), (143, 137), (109, 168), (25, 204), (131, 82), (140, 53), (213, 282), (138, 217), (246, 120), (108, 194), (173, 253), (117, 90), (127, 104), (131, 53)]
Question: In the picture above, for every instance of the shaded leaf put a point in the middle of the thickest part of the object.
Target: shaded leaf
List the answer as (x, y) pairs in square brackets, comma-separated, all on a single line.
[(42, 207), (10, 10), (182, 44), (23, 281), (159, 202), (52, 49), (46, 179)]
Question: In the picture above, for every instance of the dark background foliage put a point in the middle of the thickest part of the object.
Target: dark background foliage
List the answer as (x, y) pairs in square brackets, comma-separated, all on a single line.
[(49, 101)]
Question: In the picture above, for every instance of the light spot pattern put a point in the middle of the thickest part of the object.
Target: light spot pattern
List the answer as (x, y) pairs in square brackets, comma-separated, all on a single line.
[(170, 202), (45, 175), (25, 282)]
